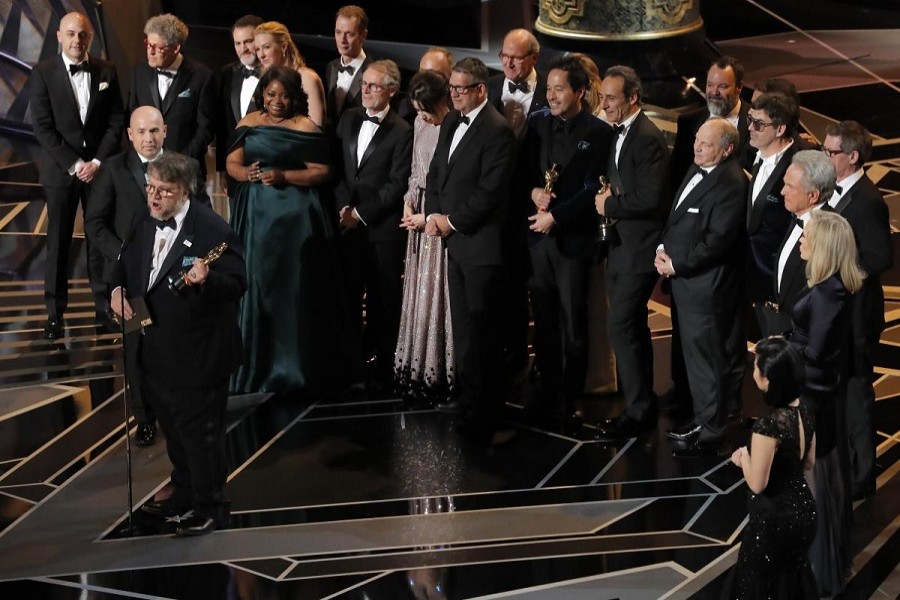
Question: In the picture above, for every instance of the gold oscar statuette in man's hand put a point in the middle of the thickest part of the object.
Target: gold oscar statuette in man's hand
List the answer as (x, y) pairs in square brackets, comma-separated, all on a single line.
[(606, 230), (178, 283), (550, 177)]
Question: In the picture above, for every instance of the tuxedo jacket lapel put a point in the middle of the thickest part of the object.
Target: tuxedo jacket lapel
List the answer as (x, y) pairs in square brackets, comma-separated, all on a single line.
[(701, 188), (136, 170), (182, 78), (468, 135), (354, 140), (96, 76), (149, 231), (63, 83), (177, 250), (237, 84), (382, 132)]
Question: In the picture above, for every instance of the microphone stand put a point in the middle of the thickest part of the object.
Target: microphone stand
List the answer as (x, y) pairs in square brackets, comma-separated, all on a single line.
[(126, 393)]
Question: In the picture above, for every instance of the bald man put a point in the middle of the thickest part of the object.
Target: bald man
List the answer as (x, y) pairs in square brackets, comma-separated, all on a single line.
[(77, 116), (520, 90), (437, 59)]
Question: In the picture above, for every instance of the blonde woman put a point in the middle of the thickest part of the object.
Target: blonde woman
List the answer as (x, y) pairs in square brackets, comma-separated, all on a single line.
[(275, 48), (821, 333)]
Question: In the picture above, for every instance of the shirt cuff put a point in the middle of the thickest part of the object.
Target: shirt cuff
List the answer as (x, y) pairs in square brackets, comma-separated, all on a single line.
[(95, 161), (660, 248), (74, 168), (359, 218), (450, 223)]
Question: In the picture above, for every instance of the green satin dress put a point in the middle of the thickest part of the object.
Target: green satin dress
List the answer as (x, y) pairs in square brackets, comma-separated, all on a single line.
[(292, 318)]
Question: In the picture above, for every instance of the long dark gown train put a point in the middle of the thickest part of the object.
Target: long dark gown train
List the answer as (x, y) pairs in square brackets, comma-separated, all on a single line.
[(293, 317)]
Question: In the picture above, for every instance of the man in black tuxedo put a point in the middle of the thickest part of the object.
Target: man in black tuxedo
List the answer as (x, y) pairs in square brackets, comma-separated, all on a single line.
[(772, 122), (565, 139), (724, 82), (181, 89), (465, 202), (520, 90), (193, 343), (700, 256), (808, 182), (856, 198), (376, 148), (637, 200), (780, 85), (343, 75), (76, 111), (235, 84)]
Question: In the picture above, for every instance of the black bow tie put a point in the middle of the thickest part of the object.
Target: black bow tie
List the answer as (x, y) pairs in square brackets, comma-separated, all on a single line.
[(82, 66), (165, 73), (372, 119), (798, 222), (161, 224), (619, 129), (520, 87), (144, 166), (346, 69), (249, 72), (699, 171), (464, 119), (838, 190)]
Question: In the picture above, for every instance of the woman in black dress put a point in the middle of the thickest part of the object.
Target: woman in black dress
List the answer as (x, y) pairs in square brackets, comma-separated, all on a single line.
[(821, 333), (772, 562)]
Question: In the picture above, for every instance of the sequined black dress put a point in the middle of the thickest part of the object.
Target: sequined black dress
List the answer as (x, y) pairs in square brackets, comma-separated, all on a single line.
[(773, 562)]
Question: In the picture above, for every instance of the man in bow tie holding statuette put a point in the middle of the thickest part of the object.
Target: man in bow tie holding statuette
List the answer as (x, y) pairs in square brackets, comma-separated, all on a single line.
[(76, 111), (235, 84)]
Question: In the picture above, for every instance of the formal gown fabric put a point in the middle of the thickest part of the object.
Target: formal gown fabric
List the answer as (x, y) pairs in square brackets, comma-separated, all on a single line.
[(821, 331), (293, 320), (772, 562), (423, 361)]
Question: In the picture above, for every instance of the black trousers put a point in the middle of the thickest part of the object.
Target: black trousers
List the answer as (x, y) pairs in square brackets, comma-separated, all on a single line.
[(62, 207), (559, 290), (860, 417), (629, 336), (193, 421), (475, 309)]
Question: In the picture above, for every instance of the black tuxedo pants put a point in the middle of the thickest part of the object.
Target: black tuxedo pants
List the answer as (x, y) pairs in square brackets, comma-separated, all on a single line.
[(629, 336), (62, 207), (193, 422), (559, 290), (476, 305), (860, 417)]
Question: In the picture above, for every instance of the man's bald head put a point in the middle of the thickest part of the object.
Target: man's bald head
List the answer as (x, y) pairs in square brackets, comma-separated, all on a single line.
[(147, 130), (74, 36), (439, 60)]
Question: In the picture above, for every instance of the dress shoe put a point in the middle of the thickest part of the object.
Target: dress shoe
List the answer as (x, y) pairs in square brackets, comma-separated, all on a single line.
[(685, 432), (167, 508), (53, 329), (453, 407), (699, 449), (192, 524), (145, 435), (621, 428)]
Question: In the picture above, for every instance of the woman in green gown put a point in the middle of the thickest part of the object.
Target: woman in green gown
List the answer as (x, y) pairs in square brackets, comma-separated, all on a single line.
[(291, 317)]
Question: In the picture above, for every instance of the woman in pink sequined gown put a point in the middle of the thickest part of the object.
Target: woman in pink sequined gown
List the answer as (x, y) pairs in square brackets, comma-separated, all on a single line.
[(423, 361)]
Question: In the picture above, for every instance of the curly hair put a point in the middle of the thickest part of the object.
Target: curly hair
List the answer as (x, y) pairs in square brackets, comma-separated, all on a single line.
[(168, 27)]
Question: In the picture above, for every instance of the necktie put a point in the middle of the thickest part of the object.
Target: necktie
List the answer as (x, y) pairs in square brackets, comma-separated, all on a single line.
[(82, 66), (464, 119), (520, 87), (372, 119), (346, 69), (165, 73), (249, 72), (619, 129), (162, 224)]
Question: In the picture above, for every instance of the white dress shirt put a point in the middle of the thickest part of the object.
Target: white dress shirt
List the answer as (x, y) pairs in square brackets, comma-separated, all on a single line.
[(163, 83), (765, 170), (163, 242), (620, 139), (792, 240), (845, 184), (462, 128), (247, 89), (517, 104), (345, 79)]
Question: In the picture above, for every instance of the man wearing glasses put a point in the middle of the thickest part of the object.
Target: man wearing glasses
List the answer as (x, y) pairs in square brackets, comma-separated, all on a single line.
[(191, 343), (772, 121), (76, 109), (181, 89), (520, 90), (376, 147), (466, 204)]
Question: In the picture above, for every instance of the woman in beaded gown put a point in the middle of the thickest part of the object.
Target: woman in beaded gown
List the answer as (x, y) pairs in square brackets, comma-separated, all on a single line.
[(294, 328), (772, 562), (821, 332), (423, 361)]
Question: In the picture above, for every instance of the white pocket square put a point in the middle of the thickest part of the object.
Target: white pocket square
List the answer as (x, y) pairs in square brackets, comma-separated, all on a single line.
[(103, 85), (694, 210), (185, 94)]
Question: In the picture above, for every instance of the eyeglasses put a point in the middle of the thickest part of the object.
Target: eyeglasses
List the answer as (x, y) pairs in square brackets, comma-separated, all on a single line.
[(462, 89), (830, 153), (152, 191), (758, 124), (513, 59), (374, 87), (156, 48)]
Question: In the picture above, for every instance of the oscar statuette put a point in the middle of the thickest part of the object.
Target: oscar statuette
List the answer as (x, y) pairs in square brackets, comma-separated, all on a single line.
[(178, 283), (550, 177), (606, 229)]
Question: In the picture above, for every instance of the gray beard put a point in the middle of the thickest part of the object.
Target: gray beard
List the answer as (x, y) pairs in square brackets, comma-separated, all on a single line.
[(718, 110)]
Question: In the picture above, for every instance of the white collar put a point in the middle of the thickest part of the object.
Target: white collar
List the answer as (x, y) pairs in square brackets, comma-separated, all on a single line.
[(473, 114)]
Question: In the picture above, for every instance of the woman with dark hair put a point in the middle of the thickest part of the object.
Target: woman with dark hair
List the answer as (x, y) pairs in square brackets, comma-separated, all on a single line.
[(290, 315), (821, 332), (773, 562), (423, 361)]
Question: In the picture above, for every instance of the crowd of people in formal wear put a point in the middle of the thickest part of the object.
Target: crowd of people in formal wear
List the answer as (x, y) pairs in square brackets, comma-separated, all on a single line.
[(387, 240)]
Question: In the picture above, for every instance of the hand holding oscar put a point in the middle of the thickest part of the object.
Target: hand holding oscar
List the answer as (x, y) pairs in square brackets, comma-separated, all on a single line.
[(180, 282)]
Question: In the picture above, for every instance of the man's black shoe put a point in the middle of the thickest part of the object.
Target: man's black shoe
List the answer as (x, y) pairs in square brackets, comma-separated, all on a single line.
[(53, 329), (165, 508), (453, 407), (684, 433), (193, 524), (699, 449), (621, 428), (145, 435)]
